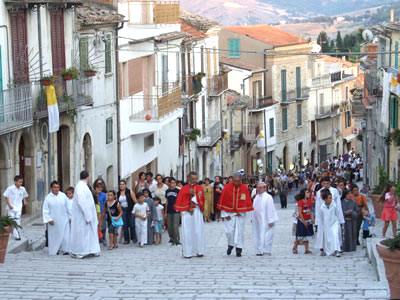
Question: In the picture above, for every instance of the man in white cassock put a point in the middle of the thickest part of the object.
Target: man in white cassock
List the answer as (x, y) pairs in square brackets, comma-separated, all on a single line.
[(263, 219), (56, 214), (84, 223)]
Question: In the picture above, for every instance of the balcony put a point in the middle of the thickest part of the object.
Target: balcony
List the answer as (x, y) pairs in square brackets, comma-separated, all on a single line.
[(327, 112), (251, 131), (151, 12), (15, 109), (187, 86), (211, 135), (297, 94), (157, 107), (73, 94), (236, 141), (217, 84)]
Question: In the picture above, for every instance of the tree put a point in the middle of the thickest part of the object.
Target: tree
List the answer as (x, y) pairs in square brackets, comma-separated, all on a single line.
[(332, 46), (323, 42), (339, 42)]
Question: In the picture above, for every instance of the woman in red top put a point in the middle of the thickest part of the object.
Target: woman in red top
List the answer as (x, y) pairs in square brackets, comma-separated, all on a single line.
[(304, 229)]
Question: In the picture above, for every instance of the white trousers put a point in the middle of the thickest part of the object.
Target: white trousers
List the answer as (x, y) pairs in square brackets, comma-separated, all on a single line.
[(141, 230), (193, 236), (234, 229), (268, 238), (16, 215)]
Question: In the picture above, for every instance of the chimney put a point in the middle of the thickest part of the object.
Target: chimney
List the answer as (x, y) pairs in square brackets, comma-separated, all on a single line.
[(392, 15)]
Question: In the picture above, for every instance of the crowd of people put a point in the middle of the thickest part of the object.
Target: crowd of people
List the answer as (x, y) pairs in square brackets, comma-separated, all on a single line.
[(328, 204)]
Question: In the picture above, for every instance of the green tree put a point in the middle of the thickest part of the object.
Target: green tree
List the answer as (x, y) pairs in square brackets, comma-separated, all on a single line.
[(323, 42), (332, 46), (339, 42)]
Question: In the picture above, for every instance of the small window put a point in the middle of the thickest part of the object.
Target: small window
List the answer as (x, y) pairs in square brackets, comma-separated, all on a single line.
[(108, 63), (271, 127), (149, 142), (299, 115), (234, 48), (284, 119), (109, 130)]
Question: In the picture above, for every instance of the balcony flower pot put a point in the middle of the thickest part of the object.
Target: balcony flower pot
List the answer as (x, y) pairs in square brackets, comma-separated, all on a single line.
[(6, 226), (378, 205), (70, 73), (91, 73), (389, 252), (67, 77), (48, 80)]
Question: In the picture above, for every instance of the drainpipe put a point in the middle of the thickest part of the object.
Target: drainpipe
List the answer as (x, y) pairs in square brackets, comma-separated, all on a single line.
[(8, 55), (118, 103)]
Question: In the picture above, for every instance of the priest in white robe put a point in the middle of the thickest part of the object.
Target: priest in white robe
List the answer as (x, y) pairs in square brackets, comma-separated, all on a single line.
[(84, 223), (263, 219), (56, 214)]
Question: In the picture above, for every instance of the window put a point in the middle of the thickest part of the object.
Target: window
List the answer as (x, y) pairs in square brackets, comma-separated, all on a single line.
[(347, 119), (271, 127), (396, 55), (298, 82), (57, 40), (109, 130), (84, 53), (299, 115), (269, 162), (19, 46), (394, 112), (234, 48), (283, 84), (108, 55), (313, 135), (149, 142), (284, 119)]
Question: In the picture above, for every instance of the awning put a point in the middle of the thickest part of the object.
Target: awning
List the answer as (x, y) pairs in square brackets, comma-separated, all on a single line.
[(350, 137)]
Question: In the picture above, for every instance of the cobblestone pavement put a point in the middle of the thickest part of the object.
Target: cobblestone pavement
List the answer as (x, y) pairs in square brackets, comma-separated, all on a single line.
[(130, 272)]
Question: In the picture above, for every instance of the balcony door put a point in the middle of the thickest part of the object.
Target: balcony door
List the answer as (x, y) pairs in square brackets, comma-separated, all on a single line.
[(57, 44)]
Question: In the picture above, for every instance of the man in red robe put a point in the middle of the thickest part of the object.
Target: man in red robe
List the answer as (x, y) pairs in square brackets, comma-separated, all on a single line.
[(190, 202), (234, 203)]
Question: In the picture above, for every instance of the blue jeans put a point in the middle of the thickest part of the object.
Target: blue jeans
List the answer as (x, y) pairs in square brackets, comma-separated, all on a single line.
[(129, 225)]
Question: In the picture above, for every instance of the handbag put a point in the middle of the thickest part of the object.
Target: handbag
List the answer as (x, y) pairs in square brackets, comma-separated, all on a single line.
[(114, 223)]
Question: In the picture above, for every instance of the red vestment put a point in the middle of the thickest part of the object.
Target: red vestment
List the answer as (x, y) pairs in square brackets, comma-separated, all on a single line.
[(235, 199), (184, 199)]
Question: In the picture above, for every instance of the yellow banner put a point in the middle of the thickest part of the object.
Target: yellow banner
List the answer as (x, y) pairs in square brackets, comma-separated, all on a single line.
[(51, 95)]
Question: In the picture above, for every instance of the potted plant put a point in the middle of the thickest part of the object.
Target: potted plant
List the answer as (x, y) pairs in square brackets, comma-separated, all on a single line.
[(389, 252), (6, 226), (90, 71), (388, 138), (359, 136), (70, 73), (47, 80), (194, 134), (377, 192), (396, 137)]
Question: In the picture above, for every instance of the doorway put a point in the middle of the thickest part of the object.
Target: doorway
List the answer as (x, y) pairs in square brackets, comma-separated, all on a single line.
[(300, 155), (63, 157), (204, 164), (285, 156), (87, 154)]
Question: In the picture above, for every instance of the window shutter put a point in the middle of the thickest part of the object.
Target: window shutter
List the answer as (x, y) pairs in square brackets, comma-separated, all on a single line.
[(284, 118), (271, 127), (391, 113), (19, 46), (84, 53), (299, 115), (396, 55), (283, 83), (298, 82), (234, 48), (57, 40), (108, 54), (396, 113)]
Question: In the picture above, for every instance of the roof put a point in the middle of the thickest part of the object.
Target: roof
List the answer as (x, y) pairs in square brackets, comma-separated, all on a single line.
[(331, 59), (236, 99), (91, 15), (198, 22), (194, 33), (267, 34), (240, 64), (171, 36)]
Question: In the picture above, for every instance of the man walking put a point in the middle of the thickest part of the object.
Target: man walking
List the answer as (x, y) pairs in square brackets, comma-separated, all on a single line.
[(263, 219), (84, 223), (190, 202), (234, 202), (172, 216)]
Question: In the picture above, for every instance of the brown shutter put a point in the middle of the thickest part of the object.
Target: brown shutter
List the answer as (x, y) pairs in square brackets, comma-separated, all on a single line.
[(57, 40), (135, 75), (19, 46)]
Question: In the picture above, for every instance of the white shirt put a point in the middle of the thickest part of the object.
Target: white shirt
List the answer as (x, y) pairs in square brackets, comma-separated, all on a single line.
[(15, 196), (159, 215), (141, 209)]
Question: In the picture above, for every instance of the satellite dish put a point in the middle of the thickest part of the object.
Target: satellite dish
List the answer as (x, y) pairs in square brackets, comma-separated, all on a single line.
[(316, 48), (367, 35)]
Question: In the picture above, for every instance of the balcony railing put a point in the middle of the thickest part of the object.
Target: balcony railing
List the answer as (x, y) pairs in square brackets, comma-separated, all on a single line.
[(15, 109), (149, 12), (212, 134), (236, 141), (74, 94), (327, 112), (156, 107), (187, 86), (297, 94), (321, 80), (217, 84), (251, 131)]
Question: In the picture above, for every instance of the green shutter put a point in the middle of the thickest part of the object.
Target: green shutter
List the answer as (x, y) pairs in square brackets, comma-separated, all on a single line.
[(396, 55), (1, 89), (299, 115), (284, 118), (234, 48), (271, 127), (108, 54), (283, 84), (396, 112), (298, 82), (392, 113), (84, 53)]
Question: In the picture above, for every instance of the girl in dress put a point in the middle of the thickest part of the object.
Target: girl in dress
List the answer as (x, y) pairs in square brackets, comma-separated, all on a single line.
[(389, 213)]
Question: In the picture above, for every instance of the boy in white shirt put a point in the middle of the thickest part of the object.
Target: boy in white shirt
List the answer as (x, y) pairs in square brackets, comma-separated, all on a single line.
[(141, 212), (15, 198), (158, 221)]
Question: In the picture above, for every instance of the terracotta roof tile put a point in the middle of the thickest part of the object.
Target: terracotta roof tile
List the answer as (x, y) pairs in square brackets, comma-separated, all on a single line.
[(194, 33), (91, 15), (331, 59), (238, 63), (267, 34)]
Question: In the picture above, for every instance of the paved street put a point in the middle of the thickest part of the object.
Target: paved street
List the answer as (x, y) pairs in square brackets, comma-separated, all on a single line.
[(160, 272)]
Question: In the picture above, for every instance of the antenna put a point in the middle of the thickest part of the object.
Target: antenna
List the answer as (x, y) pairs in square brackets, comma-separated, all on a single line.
[(367, 35)]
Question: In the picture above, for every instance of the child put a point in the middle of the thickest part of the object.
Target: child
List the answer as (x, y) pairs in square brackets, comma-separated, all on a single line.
[(15, 198), (304, 228), (389, 213), (150, 202), (369, 221), (350, 212), (112, 208), (141, 212), (159, 219), (70, 195), (328, 235)]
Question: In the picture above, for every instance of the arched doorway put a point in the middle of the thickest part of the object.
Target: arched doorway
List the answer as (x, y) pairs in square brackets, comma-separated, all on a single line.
[(337, 149), (284, 159), (110, 177), (87, 154), (63, 157), (300, 154), (313, 157)]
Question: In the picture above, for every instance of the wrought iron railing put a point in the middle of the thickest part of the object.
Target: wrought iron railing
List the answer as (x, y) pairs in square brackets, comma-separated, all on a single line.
[(211, 135)]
